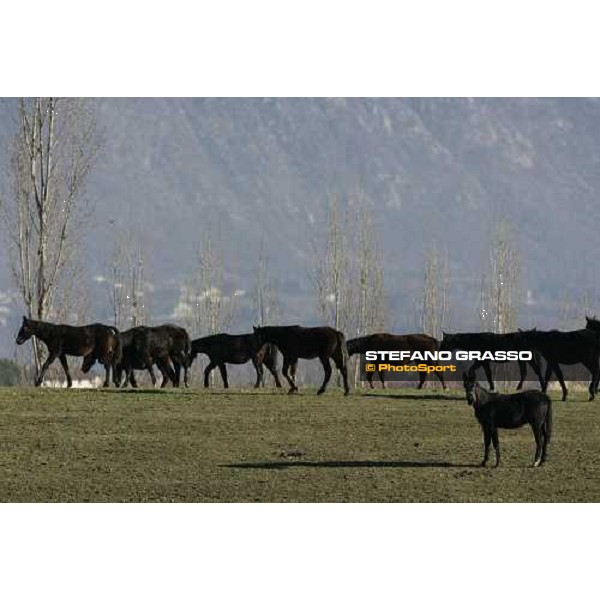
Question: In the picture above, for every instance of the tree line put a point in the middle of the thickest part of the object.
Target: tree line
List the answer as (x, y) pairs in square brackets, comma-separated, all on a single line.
[(46, 213)]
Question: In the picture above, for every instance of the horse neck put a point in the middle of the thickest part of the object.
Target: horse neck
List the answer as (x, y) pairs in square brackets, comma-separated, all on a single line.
[(271, 334), (356, 346), (482, 397), (42, 330)]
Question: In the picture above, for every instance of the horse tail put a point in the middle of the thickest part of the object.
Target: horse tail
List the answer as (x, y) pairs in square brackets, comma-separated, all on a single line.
[(117, 355), (352, 346), (188, 350), (344, 348)]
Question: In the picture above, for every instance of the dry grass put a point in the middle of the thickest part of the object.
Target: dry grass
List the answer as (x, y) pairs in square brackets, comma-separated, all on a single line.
[(260, 446)]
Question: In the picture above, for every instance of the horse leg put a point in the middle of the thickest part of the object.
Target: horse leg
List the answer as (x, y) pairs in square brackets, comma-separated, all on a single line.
[(546, 434), (293, 367), (177, 373), (536, 369), (183, 364), (51, 358), (273, 371), (523, 373), (152, 376), (164, 374), (65, 366), (284, 371), (547, 376), (107, 378), (207, 371), (496, 443), (537, 434), (370, 379), (561, 380), (171, 374), (327, 368), (593, 382), (116, 375), (132, 379), (259, 372), (488, 374), (223, 370), (440, 376), (126, 378), (381, 375), (422, 378), (487, 438), (342, 367)]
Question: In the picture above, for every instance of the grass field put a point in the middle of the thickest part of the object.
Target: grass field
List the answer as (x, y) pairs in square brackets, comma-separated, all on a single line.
[(261, 446)]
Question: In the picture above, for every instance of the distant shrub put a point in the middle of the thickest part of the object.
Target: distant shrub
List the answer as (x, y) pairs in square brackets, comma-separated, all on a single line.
[(10, 373)]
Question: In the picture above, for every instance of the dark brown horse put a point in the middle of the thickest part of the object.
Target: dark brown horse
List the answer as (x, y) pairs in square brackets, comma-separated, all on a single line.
[(510, 411), (93, 342), (413, 342), (581, 346), (128, 361), (488, 341), (236, 349), (167, 346), (295, 342)]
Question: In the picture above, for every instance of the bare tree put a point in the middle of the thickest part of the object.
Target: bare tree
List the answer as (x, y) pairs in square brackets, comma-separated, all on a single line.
[(370, 308), (264, 294), (53, 153), (349, 271), (501, 282), (435, 293), (128, 287), (332, 270), (204, 307)]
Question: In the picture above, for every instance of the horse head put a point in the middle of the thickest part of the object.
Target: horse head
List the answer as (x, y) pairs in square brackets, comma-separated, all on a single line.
[(471, 387), (259, 334), (446, 343), (25, 332)]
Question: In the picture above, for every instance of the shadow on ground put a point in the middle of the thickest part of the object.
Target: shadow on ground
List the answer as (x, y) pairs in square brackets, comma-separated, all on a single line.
[(354, 464), (415, 396)]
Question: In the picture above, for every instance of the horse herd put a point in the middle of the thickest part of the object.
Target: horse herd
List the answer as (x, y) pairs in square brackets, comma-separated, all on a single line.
[(170, 348)]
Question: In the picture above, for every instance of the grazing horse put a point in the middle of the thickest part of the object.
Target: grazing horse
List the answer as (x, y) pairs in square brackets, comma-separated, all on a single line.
[(296, 342), (567, 348), (413, 342), (510, 411), (492, 342), (93, 342), (168, 346), (236, 349)]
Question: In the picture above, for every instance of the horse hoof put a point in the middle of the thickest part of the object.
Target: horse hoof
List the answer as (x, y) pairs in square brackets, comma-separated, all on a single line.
[(320, 392)]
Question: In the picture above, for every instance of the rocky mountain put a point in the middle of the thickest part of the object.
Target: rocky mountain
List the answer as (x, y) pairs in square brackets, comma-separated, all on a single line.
[(262, 171)]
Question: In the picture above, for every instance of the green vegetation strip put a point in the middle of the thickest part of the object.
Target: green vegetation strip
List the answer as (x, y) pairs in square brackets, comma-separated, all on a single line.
[(261, 446)]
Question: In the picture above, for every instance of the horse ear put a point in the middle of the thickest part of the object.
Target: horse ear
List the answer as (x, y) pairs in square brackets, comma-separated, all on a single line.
[(587, 318), (255, 328), (25, 319)]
